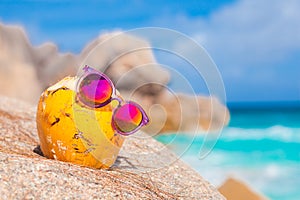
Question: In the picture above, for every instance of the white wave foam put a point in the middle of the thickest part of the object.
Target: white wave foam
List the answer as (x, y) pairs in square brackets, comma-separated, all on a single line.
[(282, 133)]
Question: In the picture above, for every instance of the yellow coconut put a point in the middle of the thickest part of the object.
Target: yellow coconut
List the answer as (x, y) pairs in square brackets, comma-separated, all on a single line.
[(71, 132)]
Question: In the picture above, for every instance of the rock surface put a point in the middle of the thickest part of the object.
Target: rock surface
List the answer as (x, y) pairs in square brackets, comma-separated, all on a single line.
[(184, 113), (145, 169), (127, 60), (241, 191), (22, 65)]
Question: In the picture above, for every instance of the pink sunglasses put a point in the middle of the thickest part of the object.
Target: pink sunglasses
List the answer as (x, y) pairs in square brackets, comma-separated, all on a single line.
[(95, 90)]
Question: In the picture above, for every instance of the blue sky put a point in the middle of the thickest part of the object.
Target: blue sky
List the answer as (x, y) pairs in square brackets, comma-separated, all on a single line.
[(255, 44)]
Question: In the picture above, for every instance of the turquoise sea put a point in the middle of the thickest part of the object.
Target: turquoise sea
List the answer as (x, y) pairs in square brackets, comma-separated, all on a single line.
[(261, 147)]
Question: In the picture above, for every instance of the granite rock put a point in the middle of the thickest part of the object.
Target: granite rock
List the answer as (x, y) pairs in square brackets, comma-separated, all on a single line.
[(25, 71), (127, 60), (241, 190), (145, 169)]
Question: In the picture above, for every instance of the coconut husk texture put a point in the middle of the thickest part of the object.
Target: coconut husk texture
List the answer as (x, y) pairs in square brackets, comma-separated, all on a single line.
[(145, 169)]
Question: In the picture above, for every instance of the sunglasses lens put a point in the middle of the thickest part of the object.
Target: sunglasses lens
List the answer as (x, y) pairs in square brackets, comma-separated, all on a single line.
[(95, 90), (127, 118)]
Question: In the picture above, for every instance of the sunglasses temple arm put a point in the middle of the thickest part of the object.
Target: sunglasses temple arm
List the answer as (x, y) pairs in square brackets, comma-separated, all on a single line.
[(145, 117), (89, 69)]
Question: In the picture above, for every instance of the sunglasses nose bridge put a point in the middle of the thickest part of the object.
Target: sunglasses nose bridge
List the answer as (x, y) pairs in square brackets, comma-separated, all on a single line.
[(118, 100)]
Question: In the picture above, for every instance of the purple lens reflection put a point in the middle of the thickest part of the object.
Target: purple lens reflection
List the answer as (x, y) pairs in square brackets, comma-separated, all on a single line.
[(95, 90), (127, 118)]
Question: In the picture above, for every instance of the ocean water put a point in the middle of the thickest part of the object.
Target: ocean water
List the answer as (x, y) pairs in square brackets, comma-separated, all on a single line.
[(260, 147)]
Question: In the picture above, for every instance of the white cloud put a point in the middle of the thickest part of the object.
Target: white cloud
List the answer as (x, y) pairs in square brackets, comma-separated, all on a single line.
[(255, 44), (252, 31)]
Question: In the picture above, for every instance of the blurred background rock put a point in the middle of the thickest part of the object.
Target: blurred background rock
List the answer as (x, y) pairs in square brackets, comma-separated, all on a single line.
[(26, 70)]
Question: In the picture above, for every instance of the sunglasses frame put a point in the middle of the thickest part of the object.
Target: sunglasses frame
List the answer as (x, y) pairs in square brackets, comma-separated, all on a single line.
[(88, 71)]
